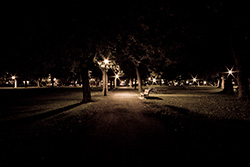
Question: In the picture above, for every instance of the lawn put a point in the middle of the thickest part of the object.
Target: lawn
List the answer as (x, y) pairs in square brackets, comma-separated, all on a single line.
[(204, 100), (19, 103)]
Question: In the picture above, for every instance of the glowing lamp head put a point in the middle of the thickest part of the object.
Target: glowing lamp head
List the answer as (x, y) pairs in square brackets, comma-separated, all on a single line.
[(194, 79), (117, 76), (106, 61), (154, 80), (230, 71), (13, 77)]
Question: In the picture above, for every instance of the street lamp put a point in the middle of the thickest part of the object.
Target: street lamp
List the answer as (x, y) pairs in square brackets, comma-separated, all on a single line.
[(15, 81), (230, 72), (105, 70), (106, 61)]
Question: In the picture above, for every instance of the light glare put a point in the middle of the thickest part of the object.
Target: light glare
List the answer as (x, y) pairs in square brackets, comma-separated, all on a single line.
[(106, 61)]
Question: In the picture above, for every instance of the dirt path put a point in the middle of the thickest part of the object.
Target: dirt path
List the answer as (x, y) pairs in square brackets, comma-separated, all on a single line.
[(123, 132)]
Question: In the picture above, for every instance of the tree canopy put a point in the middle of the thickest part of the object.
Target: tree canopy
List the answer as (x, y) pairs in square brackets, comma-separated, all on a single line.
[(173, 37)]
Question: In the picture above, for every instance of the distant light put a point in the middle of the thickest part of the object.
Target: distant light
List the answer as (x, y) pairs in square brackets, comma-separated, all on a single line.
[(205, 82), (13, 77), (117, 76), (194, 78), (54, 79), (230, 71), (154, 80), (106, 61)]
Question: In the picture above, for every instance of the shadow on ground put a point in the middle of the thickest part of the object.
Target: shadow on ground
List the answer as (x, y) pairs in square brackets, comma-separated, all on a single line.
[(153, 98), (40, 116)]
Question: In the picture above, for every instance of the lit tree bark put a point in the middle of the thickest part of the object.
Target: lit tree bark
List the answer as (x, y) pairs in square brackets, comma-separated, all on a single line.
[(130, 82), (107, 82), (138, 79), (115, 82), (104, 81)]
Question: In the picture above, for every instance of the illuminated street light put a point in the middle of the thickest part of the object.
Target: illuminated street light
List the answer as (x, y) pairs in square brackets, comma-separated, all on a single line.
[(106, 61), (15, 81), (230, 72), (195, 79)]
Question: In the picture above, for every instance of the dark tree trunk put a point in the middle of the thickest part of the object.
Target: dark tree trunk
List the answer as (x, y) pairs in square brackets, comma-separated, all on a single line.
[(138, 79), (85, 85), (107, 82), (242, 77), (135, 83), (228, 86), (25, 83)]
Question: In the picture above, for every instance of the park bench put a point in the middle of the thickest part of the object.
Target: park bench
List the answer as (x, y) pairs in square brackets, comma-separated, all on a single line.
[(146, 92)]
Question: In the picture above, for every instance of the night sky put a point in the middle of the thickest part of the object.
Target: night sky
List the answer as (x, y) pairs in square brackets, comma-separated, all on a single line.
[(202, 29)]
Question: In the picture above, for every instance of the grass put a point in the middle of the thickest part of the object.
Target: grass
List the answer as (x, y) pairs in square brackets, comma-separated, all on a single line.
[(206, 101), (20, 103)]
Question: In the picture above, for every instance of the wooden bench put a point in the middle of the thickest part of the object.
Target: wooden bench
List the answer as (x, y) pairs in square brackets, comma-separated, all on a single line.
[(146, 92)]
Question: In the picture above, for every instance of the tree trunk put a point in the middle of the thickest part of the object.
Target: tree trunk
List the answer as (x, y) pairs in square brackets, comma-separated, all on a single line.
[(39, 82), (219, 79), (115, 82), (85, 85), (135, 83), (104, 81), (243, 86), (52, 81), (242, 77), (130, 82), (107, 82), (138, 79), (222, 82), (228, 86)]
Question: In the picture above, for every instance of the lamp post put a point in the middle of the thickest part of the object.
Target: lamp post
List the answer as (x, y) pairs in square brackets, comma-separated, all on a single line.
[(15, 81), (105, 75)]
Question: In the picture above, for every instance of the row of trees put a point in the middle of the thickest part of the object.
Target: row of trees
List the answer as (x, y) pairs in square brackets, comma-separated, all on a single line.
[(144, 37)]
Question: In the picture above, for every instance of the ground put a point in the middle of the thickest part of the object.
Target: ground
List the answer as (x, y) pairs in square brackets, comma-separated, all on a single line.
[(52, 127)]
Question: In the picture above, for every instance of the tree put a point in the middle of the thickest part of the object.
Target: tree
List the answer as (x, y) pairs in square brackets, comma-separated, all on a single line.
[(234, 22)]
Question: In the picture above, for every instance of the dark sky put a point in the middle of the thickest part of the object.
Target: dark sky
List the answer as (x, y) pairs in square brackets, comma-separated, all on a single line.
[(208, 23)]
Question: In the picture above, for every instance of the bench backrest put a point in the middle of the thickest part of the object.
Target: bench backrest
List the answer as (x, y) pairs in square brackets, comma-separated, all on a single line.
[(146, 91)]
